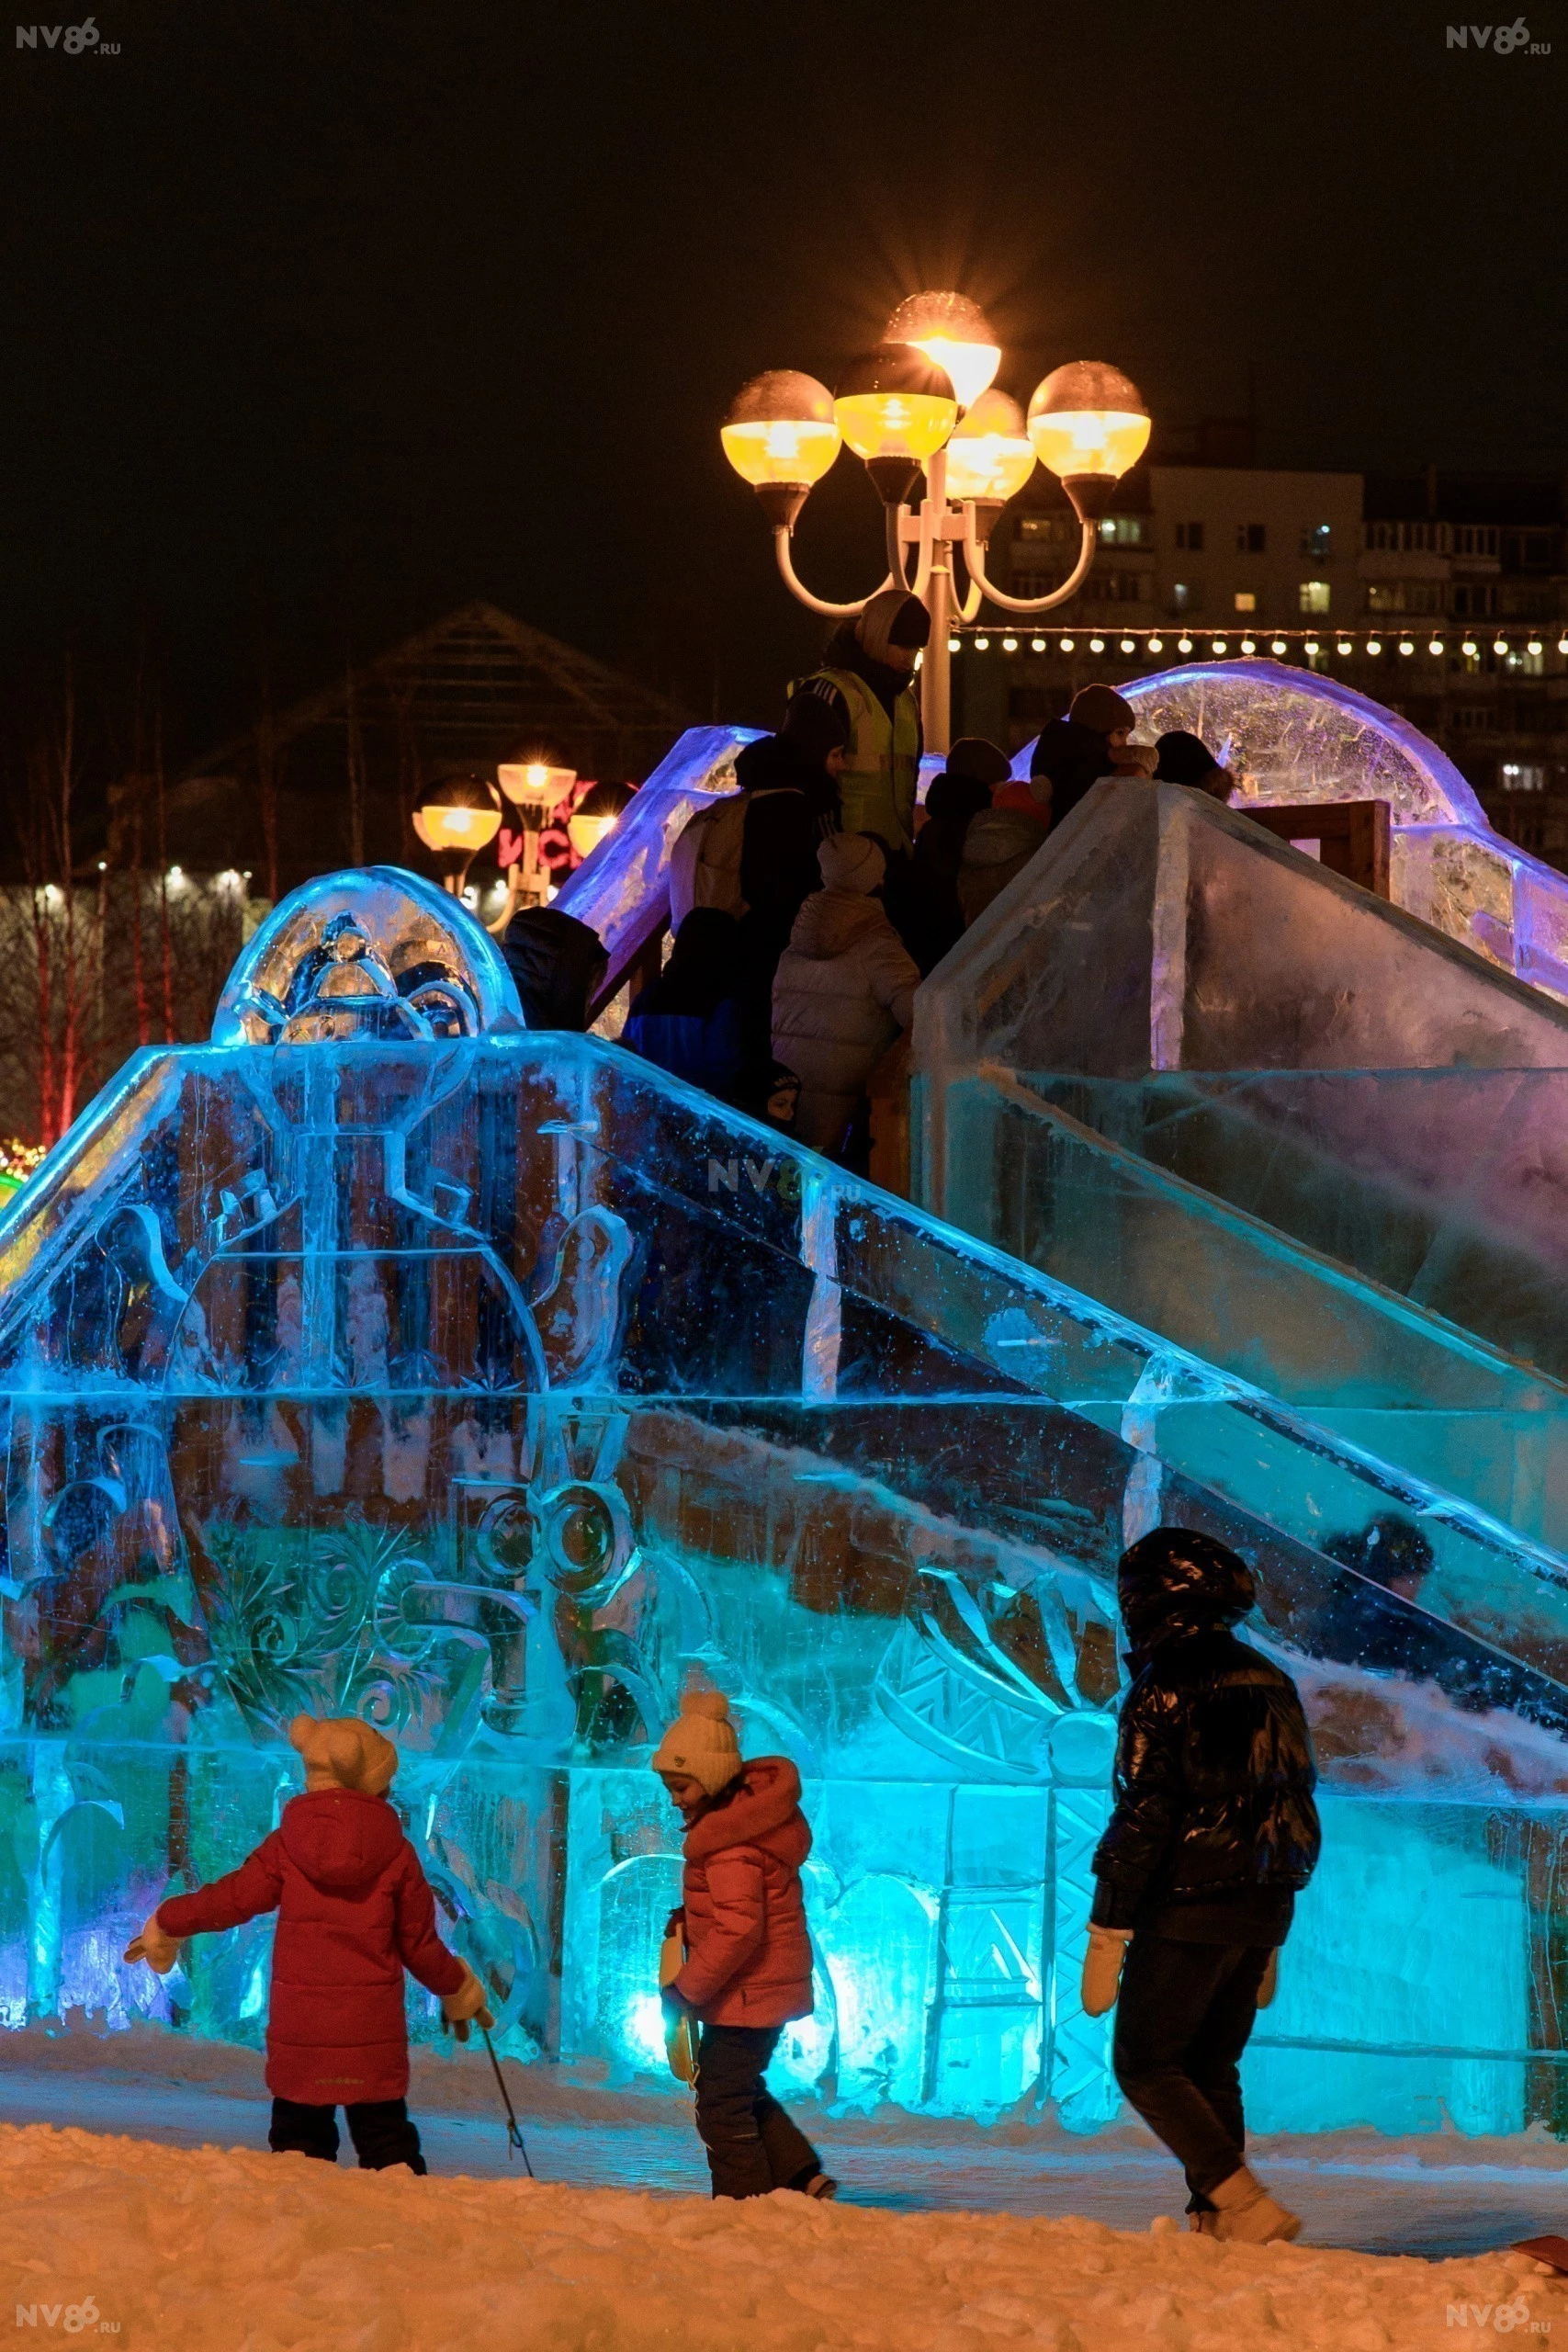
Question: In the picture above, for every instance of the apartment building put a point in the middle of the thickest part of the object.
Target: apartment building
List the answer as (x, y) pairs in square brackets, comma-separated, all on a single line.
[(1443, 596)]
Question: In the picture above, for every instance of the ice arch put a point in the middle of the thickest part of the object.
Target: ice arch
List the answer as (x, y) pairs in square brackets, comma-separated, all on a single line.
[(1292, 736)]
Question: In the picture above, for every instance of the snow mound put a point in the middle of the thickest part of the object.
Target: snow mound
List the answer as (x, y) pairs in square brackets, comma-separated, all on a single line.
[(233, 2252)]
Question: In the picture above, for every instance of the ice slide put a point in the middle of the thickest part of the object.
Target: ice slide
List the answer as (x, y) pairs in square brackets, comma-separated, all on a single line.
[(381, 1357)]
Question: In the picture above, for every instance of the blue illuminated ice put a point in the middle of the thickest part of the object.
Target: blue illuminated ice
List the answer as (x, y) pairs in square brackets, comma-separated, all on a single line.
[(383, 1357)]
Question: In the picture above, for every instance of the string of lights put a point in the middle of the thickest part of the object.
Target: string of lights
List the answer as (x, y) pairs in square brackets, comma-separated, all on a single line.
[(1315, 644)]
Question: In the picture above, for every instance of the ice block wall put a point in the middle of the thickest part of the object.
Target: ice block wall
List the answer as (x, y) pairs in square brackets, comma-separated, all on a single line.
[(381, 1357)]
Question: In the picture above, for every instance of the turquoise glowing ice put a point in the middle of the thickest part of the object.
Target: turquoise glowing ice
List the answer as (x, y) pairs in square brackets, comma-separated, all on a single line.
[(381, 1356)]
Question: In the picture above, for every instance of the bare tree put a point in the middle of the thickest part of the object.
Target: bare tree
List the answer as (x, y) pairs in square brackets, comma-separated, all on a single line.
[(165, 937), (66, 938), (266, 755), (355, 772)]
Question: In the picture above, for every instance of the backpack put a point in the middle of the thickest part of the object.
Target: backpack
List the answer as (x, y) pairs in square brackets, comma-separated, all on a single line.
[(704, 864)]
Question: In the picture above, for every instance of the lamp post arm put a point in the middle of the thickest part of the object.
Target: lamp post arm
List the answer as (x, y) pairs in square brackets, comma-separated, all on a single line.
[(975, 561), (894, 518), (971, 604), (803, 594)]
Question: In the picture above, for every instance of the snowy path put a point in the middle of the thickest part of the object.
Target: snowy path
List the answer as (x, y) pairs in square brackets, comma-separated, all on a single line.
[(199, 2250), (1383, 2198)]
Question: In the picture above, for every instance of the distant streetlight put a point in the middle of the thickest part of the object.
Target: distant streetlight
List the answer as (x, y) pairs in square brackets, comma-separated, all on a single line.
[(533, 788), (923, 403), (456, 817), (597, 813)]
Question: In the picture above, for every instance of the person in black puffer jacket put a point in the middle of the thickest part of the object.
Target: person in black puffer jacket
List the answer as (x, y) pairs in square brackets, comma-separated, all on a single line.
[(1213, 1835)]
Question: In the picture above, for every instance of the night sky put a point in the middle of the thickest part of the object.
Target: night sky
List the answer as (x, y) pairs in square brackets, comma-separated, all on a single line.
[(321, 319)]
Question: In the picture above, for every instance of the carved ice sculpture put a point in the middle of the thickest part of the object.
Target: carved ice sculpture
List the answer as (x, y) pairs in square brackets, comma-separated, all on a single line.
[(383, 1356)]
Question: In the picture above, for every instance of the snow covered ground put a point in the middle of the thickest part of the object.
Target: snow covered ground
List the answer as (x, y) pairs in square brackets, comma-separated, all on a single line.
[(205, 2251), (1433, 2193), (950, 2234)]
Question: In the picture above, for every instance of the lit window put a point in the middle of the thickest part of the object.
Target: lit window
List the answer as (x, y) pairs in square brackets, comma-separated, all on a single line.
[(1181, 596), (1313, 594), (1246, 602), (1523, 777), (1316, 538), (1122, 530)]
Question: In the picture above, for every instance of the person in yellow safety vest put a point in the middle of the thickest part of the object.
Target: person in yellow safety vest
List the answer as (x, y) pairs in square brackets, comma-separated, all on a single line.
[(868, 673)]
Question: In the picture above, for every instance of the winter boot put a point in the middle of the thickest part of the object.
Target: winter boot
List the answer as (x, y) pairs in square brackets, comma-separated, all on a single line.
[(1247, 2216), (823, 2185)]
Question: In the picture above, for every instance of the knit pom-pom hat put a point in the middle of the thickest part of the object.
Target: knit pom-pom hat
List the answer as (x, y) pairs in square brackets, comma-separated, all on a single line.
[(343, 1752), (702, 1742)]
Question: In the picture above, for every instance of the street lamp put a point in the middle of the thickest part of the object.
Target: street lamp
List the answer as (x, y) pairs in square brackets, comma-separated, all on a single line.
[(456, 817), (597, 813), (923, 401), (533, 788)]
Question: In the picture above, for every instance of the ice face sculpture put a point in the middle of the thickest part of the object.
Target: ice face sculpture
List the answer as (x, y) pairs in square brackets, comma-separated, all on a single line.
[(383, 1357)]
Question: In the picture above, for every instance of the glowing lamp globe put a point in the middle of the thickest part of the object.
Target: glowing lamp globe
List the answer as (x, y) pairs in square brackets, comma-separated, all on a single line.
[(895, 410), (1088, 422), (534, 787), (780, 429), (596, 815), (990, 457), (955, 335), (456, 816)]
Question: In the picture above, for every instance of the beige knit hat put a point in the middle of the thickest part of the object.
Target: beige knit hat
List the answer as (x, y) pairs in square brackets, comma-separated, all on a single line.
[(341, 1752), (701, 1743), (851, 862)]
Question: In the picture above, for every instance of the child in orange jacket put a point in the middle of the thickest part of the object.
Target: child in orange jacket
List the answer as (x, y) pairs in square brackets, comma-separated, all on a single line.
[(747, 1970)]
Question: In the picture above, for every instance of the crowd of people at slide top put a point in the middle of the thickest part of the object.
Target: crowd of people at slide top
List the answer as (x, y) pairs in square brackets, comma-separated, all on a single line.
[(808, 906), (1213, 1833)]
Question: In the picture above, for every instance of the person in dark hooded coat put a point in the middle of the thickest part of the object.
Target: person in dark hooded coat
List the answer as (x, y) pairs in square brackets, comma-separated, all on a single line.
[(559, 964), (963, 792), (1213, 1835), (1181, 758), (688, 1020)]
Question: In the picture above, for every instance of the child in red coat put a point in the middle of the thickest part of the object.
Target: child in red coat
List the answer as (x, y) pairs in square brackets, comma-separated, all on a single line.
[(747, 1970), (354, 1910)]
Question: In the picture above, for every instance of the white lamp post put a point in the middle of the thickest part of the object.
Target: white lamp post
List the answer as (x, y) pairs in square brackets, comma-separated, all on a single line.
[(533, 788), (922, 401)]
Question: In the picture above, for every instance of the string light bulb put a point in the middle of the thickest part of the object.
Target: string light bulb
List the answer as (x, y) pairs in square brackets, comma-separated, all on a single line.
[(1406, 646), (1127, 645), (1499, 645), (1436, 646), (1219, 645), (1184, 645), (1343, 645), (981, 643), (1097, 645), (1009, 645), (1311, 646), (1037, 645), (1156, 645), (1250, 645), (1066, 645), (1374, 645), (1534, 646), (1470, 648), (1278, 645)]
